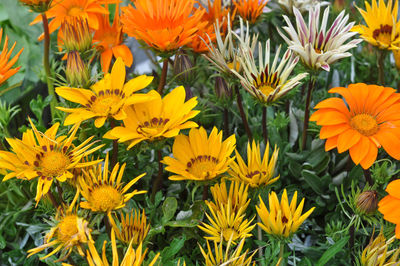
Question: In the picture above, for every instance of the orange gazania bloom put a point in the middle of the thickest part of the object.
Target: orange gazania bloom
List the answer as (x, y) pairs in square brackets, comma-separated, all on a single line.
[(165, 25), (109, 39), (389, 205), (370, 119), (37, 5), (5, 63), (250, 10), (61, 10)]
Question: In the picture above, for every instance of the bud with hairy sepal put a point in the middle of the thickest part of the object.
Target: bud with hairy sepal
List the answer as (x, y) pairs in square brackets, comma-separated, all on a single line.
[(183, 69), (222, 89), (38, 6), (77, 72), (367, 202), (76, 35)]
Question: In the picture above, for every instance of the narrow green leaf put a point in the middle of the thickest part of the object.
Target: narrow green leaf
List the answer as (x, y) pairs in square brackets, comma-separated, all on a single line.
[(332, 251)]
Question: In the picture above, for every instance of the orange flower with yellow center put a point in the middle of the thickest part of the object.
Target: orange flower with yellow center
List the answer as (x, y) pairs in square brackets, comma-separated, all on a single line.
[(370, 119), (109, 41), (250, 10), (389, 205), (165, 25), (5, 63)]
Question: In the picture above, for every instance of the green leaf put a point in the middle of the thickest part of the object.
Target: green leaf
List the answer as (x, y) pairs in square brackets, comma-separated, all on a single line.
[(169, 252), (331, 252), (312, 180), (2, 242), (169, 208)]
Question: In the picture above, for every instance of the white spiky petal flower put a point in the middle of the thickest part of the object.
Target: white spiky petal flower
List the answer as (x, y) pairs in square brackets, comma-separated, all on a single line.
[(301, 5), (268, 81), (316, 46)]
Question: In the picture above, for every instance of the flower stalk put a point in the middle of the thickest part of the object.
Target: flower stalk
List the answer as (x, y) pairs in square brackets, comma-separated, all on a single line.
[(264, 124), (158, 181), (281, 252), (163, 79), (114, 155), (242, 114), (381, 54), (311, 86)]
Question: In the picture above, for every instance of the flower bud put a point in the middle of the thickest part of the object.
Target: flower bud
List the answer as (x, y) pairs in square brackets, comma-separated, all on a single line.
[(367, 201), (378, 253), (183, 69), (38, 6), (222, 89), (76, 35), (77, 72)]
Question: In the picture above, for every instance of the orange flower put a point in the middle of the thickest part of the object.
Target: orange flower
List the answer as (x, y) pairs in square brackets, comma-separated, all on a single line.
[(250, 10), (389, 205), (165, 25), (67, 9), (5, 63), (37, 5), (371, 120), (109, 40)]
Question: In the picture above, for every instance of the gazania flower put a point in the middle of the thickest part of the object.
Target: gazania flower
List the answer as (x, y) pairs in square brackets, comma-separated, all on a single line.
[(5, 63), (316, 46), (165, 25), (256, 173), (75, 35), (383, 25), (250, 10), (45, 156), (103, 191), (131, 258), (69, 233), (268, 81), (109, 41), (132, 229), (224, 256), (198, 157), (107, 98), (368, 121), (378, 253), (62, 10), (282, 220), (389, 205), (156, 119), (301, 5), (238, 196), (38, 6)]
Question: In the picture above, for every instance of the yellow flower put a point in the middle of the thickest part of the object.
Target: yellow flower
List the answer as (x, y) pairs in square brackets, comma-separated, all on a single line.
[(70, 232), (256, 173), (198, 157), (45, 156), (222, 256), (238, 196), (156, 119), (133, 228), (377, 253), (282, 220), (383, 26), (5, 63), (107, 98), (103, 191), (131, 257)]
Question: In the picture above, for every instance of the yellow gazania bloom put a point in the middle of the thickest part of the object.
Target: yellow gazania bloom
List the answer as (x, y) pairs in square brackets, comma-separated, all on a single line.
[(383, 25), (238, 196), (69, 233), (45, 156), (132, 229), (250, 10), (224, 256), (107, 98), (282, 220), (109, 42), (227, 224), (198, 157), (38, 6), (131, 258), (156, 119), (61, 10), (256, 173), (377, 252), (5, 63), (103, 191), (165, 25)]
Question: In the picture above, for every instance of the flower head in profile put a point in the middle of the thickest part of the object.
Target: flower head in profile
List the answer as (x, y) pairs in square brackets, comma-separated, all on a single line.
[(377, 252), (75, 35), (389, 205), (256, 172), (69, 232), (382, 24), (109, 41), (282, 219), (104, 191), (301, 5), (237, 195), (6, 70), (38, 6), (367, 119), (45, 156), (268, 81), (200, 157), (107, 98), (226, 256), (156, 119), (250, 10), (76, 71), (317, 46), (165, 25)]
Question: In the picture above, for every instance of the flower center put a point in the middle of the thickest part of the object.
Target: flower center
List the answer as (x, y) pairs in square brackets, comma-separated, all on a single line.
[(105, 198), (67, 228), (365, 124), (234, 65), (52, 163), (266, 82), (75, 11), (152, 127), (227, 233), (383, 34), (266, 89), (106, 102), (202, 166)]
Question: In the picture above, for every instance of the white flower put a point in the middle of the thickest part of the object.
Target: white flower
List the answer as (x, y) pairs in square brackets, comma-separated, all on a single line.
[(316, 46), (301, 5)]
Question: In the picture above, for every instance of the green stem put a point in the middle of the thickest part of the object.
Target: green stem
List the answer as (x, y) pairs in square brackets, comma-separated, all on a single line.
[(46, 64), (243, 114), (281, 252), (311, 86), (158, 180), (264, 125), (381, 67), (163, 77)]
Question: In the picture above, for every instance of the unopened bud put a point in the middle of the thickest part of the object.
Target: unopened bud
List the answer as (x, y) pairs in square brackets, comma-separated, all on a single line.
[(367, 201), (76, 35), (77, 72), (222, 89), (183, 69), (38, 6)]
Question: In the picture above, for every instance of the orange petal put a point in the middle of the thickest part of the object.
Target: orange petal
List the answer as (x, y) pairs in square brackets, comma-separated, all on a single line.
[(348, 139), (331, 143), (334, 103), (394, 188), (360, 150), (330, 131), (370, 158), (125, 53), (390, 142)]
